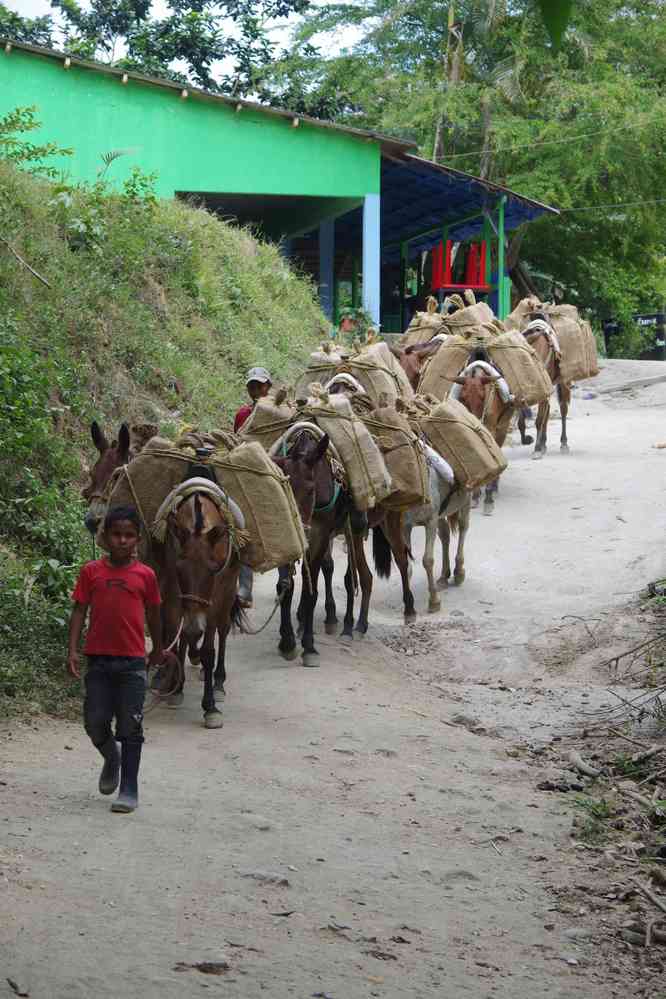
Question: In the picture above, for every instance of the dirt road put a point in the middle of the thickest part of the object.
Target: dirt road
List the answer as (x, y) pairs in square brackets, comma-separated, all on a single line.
[(371, 828)]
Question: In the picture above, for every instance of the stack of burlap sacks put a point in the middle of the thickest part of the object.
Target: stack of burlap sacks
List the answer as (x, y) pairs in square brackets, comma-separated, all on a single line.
[(243, 470), (578, 347)]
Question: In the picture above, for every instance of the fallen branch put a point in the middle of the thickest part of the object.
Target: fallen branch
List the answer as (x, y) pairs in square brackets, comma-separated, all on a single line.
[(581, 766), (634, 742), (647, 755), (652, 776), (24, 262), (648, 894), (639, 798)]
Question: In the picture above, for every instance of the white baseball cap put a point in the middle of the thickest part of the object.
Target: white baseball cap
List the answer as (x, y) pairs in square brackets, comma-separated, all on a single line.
[(258, 375)]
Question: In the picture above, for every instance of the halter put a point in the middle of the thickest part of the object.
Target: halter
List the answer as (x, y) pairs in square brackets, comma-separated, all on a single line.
[(337, 487)]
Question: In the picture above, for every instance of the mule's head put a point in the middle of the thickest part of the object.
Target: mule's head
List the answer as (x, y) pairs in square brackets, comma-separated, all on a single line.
[(309, 474), (474, 389), (111, 456), (203, 551)]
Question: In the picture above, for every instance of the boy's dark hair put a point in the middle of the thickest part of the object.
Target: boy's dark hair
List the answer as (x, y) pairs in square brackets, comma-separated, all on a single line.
[(117, 513)]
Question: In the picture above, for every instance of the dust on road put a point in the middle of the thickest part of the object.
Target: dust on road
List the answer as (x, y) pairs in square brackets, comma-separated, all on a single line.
[(371, 828)]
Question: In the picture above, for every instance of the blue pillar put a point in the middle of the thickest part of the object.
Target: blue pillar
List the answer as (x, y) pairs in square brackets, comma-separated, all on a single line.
[(371, 256), (326, 266)]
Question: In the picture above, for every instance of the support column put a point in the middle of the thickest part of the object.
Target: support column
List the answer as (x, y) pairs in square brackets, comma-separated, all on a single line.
[(404, 263), (371, 256), (326, 266), (502, 311)]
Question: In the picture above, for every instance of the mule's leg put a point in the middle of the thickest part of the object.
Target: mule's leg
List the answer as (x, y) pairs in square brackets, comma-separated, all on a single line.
[(212, 717), (476, 497), (365, 582), (285, 587), (348, 625), (310, 656), (434, 602), (564, 397), (525, 438), (542, 428), (331, 623), (394, 534), (489, 498), (220, 675), (171, 618), (463, 526), (444, 532)]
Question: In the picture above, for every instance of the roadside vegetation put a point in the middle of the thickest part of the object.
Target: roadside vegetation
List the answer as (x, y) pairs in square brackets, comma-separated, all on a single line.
[(113, 306)]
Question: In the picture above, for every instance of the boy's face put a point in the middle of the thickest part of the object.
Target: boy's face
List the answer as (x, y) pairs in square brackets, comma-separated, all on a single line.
[(122, 538)]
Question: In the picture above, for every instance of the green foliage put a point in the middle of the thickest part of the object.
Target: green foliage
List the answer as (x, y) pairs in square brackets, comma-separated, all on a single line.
[(592, 825), (13, 147)]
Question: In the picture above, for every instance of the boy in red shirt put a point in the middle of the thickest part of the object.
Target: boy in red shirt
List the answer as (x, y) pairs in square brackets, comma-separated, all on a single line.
[(122, 593)]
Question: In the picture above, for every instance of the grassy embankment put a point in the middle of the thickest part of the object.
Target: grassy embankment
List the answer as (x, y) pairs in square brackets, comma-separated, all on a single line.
[(153, 313)]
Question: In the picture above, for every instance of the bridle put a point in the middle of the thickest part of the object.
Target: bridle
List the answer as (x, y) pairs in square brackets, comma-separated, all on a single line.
[(203, 601)]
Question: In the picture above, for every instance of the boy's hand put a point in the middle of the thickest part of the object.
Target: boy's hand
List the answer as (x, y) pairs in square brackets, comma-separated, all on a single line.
[(156, 658), (73, 665)]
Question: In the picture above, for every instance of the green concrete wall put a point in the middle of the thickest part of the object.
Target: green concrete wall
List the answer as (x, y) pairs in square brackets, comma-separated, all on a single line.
[(194, 144)]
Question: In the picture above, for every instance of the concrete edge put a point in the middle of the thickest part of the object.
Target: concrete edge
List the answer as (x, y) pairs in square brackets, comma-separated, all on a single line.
[(632, 383)]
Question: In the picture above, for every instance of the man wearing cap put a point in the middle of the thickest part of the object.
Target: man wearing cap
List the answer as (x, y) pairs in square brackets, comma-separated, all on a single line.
[(258, 384)]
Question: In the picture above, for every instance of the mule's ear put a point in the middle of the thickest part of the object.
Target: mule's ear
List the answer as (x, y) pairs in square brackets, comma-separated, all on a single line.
[(319, 452), (124, 440), (98, 438)]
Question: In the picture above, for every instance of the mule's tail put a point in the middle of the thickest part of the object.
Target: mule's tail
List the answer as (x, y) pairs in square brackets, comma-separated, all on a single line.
[(381, 553), (239, 619)]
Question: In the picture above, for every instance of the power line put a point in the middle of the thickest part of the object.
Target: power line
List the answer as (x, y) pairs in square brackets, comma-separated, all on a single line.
[(617, 204), (545, 142)]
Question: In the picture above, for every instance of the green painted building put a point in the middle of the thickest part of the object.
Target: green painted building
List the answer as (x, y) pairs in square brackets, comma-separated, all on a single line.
[(353, 205)]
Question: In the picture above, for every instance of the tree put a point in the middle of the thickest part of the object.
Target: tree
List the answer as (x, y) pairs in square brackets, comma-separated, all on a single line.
[(197, 35), (576, 126)]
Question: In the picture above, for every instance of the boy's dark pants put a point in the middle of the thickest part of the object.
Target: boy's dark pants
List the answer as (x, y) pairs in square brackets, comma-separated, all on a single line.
[(115, 687)]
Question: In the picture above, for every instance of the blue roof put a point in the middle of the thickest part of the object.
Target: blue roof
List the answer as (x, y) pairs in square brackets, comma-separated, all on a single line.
[(418, 195)]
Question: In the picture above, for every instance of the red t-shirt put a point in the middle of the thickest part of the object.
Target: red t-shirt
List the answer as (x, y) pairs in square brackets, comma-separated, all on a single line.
[(117, 596), (241, 416)]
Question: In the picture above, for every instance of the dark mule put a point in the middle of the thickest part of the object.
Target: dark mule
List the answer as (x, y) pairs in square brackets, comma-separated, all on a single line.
[(199, 581), (111, 456)]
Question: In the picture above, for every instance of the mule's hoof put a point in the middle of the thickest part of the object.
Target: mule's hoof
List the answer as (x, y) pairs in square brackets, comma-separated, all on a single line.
[(361, 630), (219, 690), (488, 509), (434, 606), (527, 440), (442, 583), (175, 700), (289, 654), (310, 659), (213, 719), (564, 448), (331, 627), (537, 456), (410, 617), (347, 637), (459, 578)]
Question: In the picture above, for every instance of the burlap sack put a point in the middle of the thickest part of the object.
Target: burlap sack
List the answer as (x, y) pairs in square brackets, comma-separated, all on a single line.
[(520, 317), (439, 370), (249, 476), (523, 370), (369, 480), (268, 421), (424, 326), (464, 442), (379, 372), (578, 347), (321, 368), (465, 321), (403, 456)]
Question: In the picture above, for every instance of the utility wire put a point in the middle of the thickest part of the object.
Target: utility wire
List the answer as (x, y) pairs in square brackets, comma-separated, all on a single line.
[(547, 142)]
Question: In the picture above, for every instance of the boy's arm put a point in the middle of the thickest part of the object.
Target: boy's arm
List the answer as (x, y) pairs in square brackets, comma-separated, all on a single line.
[(154, 622), (76, 623)]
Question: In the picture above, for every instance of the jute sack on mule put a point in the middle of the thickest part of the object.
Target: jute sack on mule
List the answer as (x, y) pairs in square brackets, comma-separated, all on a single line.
[(520, 317), (522, 368), (424, 326), (322, 365), (440, 369), (269, 420), (464, 442), (578, 348), (379, 372), (245, 472), (403, 455), (368, 477)]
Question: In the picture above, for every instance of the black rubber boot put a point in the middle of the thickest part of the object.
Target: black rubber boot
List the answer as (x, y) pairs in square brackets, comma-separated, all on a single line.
[(108, 779), (128, 797)]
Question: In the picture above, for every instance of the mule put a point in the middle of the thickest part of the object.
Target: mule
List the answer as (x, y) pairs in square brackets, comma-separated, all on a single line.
[(111, 456), (541, 336), (447, 514)]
